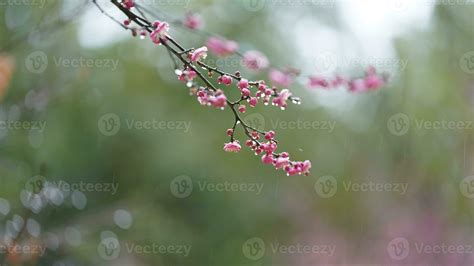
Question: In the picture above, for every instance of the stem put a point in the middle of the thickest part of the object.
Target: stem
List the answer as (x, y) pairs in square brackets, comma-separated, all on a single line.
[(147, 25)]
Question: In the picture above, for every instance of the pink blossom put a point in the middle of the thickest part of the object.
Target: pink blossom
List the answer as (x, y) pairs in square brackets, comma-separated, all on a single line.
[(292, 171), (225, 79), (270, 135), (317, 82), (280, 78), (338, 81), (219, 101), (269, 147), (203, 97), (267, 159), (193, 21), (374, 81), (216, 99), (187, 75), (128, 4), (243, 84), (281, 162), (198, 54), (245, 92), (242, 108), (255, 60), (160, 32), (232, 146), (306, 167), (357, 85), (281, 99), (222, 47), (253, 101)]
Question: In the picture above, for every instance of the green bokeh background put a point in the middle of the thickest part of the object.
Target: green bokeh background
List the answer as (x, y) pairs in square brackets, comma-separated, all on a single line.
[(144, 163)]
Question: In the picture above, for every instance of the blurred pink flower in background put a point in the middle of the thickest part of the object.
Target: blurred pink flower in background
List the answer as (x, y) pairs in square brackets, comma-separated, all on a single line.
[(222, 47), (193, 21), (280, 78), (255, 60)]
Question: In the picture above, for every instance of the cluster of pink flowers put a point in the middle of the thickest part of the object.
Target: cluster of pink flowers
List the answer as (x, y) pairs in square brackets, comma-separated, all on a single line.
[(211, 98), (264, 93), (257, 61), (371, 81), (267, 151), (251, 92)]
